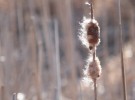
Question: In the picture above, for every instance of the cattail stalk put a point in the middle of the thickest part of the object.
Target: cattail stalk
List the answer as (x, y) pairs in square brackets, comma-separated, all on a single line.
[(95, 80), (57, 60), (95, 89), (121, 53), (94, 56), (91, 8)]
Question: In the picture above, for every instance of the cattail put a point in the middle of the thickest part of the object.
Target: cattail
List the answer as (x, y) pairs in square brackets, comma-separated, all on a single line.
[(90, 37), (93, 34), (90, 33), (93, 69)]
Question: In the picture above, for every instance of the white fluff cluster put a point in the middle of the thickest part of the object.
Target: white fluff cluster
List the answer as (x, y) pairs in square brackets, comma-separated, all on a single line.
[(83, 31), (89, 36), (92, 69)]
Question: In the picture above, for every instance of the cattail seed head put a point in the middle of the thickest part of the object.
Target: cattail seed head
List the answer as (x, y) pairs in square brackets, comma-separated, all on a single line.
[(90, 33), (93, 69), (93, 33)]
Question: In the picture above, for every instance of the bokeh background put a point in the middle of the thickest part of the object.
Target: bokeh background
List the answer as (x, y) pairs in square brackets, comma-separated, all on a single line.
[(41, 57)]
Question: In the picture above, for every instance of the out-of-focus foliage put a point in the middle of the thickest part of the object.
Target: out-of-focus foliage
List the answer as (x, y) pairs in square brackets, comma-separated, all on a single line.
[(28, 51)]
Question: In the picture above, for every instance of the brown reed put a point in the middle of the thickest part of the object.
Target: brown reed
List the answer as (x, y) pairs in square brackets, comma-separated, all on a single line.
[(121, 53)]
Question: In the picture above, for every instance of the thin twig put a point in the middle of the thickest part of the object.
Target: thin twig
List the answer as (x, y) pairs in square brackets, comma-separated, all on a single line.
[(95, 89), (121, 52), (92, 15), (94, 54)]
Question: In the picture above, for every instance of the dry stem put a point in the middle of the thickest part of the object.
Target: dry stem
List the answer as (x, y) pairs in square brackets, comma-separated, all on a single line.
[(121, 52), (95, 89), (92, 15)]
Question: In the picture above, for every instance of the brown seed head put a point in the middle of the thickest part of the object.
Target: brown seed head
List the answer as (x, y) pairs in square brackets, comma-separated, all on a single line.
[(93, 69), (90, 33), (93, 33)]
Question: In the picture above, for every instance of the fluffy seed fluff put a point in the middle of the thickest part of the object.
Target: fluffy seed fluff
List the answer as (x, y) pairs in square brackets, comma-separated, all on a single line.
[(89, 33), (92, 69)]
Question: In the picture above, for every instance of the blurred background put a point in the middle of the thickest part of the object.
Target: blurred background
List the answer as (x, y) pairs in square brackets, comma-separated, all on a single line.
[(41, 57)]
